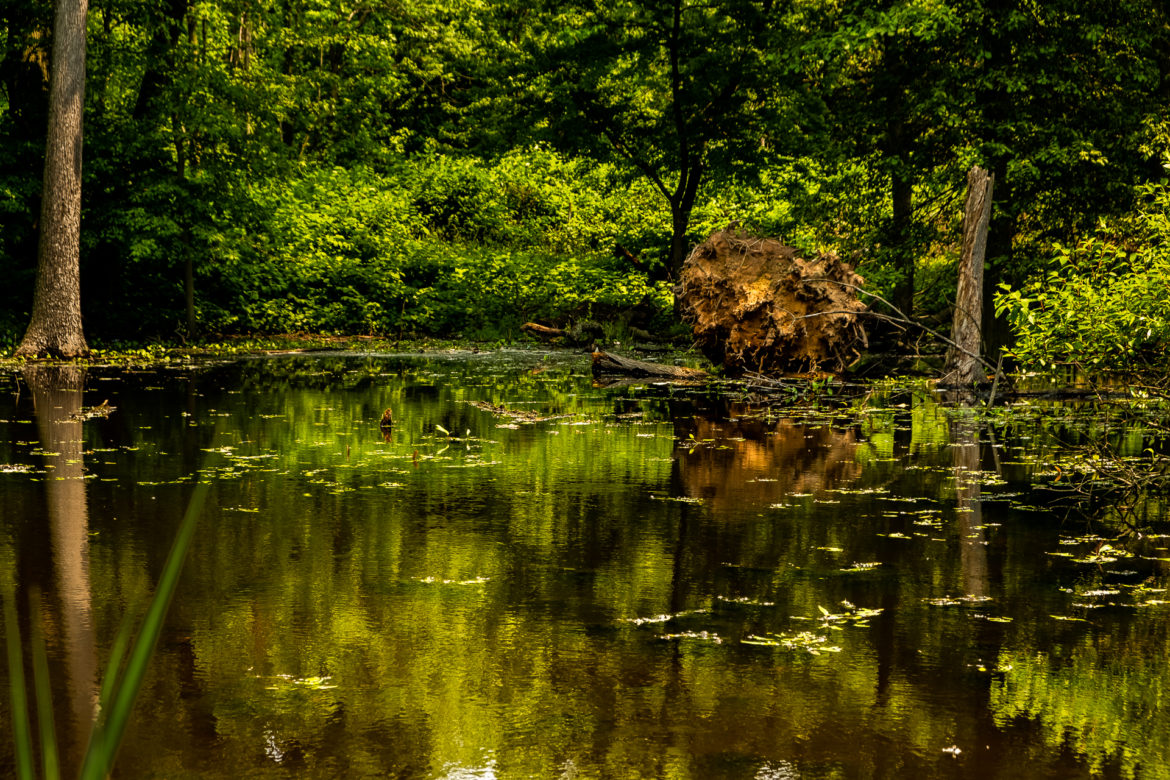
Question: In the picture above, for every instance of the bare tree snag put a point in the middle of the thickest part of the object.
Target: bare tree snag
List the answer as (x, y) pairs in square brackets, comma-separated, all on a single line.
[(609, 364), (962, 363), (55, 326)]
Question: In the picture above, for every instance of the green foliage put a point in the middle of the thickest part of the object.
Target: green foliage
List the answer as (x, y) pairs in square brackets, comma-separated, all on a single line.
[(1103, 303), (671, 90), (359, 169), (440, 245)]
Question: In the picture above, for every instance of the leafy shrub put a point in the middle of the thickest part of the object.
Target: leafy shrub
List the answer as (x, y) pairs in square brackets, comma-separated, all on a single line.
[(437, 246), (1104, 303)]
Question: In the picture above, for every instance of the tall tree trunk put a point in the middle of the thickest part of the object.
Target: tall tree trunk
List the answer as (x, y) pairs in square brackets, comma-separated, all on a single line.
[(902, 191), (681, 206), (55, 328), (185, 246), (996, 330), (678, 241)]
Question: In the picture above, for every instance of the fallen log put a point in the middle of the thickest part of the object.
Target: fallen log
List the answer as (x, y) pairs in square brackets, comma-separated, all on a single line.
[(543, 332), (609, 364)]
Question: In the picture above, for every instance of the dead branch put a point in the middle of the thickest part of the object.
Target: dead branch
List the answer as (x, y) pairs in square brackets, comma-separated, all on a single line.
[(607, 363)]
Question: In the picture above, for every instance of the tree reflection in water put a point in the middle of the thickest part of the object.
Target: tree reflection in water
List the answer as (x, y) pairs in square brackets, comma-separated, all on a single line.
[(973, 550), (57, 395), (752, 461)]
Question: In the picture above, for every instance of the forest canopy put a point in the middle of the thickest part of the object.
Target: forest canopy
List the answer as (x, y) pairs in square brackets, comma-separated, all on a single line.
[(458, 168)]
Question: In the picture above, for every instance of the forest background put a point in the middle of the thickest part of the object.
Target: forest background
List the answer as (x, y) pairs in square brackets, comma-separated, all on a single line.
[(458, 167)]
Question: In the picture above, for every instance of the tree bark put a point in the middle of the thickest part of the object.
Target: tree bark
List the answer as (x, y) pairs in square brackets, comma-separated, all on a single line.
[(902, 192), (681, 206), (962, 368), (607, 363), (55, 327), (1000, 260), (543, 332)]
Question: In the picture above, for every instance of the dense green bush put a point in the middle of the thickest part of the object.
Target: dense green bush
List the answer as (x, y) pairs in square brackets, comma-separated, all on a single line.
[(1105, 302), (434, 246)]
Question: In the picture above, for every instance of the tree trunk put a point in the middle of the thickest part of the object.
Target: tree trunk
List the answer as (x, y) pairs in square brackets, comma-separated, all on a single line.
[(902, 191), (543, 332), (1001, 236), (55, 327), (188, 259), (679, 223), (962, 366), (607, 363)]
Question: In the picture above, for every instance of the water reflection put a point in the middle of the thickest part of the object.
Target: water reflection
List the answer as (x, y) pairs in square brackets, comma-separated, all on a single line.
[(570, 597), (969, 507), (57, 400), (751, 459)]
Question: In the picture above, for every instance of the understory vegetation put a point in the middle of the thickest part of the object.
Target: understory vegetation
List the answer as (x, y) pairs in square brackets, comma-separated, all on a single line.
[(1104, 302), (457, 169)]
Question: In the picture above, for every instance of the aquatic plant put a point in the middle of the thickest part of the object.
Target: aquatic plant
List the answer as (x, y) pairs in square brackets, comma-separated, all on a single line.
[(129, 659)]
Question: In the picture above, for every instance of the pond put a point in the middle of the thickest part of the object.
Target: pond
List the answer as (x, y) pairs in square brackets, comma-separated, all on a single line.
[(532, 576)]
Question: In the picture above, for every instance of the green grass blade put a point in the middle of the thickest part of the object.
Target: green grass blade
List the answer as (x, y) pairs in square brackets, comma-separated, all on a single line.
[(114, 667), (110, 681), (20, 727), (103, 748), (50, 759)]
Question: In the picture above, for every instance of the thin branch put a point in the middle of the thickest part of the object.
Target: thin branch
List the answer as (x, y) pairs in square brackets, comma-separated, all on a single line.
[(645, 168), (901, 318), (684, 152)]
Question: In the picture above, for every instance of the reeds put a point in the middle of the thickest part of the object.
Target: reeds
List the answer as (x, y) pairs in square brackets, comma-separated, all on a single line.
[(129, 659)]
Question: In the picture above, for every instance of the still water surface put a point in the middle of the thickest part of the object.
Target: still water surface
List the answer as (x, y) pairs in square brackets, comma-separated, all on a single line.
[(628, 582)]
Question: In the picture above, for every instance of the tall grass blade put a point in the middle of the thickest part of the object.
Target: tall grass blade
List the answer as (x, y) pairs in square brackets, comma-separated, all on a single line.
[(50, 760), (116, 712), (114, 667), (20, 726)]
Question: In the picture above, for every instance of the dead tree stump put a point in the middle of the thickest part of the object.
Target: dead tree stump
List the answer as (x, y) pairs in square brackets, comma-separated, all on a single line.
[(962, 366)]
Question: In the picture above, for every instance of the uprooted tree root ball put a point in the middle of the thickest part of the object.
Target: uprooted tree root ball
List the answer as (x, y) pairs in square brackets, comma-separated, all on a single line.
[(756, 305)]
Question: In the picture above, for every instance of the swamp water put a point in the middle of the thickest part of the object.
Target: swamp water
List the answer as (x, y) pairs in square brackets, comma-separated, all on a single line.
[(628, 582)]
